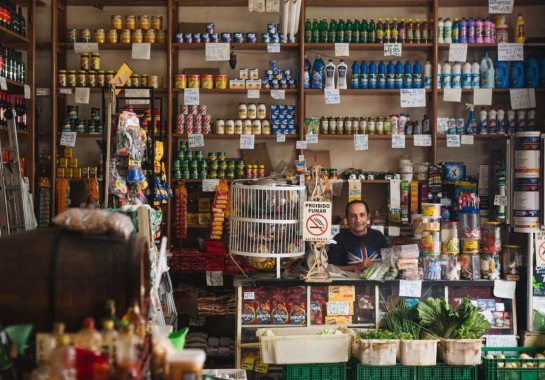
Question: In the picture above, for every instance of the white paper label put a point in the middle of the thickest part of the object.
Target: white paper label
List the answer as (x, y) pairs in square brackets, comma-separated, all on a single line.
[(272, 6), (85, 47), (522, 98), (137, 93), (394, 231), (247, 141), (453, 141), (68, 138), (280, 137), (249, 296), (253, 94), (217, 51), (214, 278), (67, 91), (504, 289), (392, 49), (398, 141), (3, 84), (457, 52), (257, 6), (191, 96), (413, 98), (195, 140), (141, 50), (452, 95), (209, 185), (500, 6), (278, 94), (500, 200), (311, 139), (501, 341), (342, 50), (467, 139), (273, 47), (361, 142), (301, 145), (332, 96), (410, 288), (82, 95), (510, 51), (482, 96), (27, 91), (422, 140)]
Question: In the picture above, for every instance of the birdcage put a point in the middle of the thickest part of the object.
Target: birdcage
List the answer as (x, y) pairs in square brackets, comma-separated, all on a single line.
[(266, 220)]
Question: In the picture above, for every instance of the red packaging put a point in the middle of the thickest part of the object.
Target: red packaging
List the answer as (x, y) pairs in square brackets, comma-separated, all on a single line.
[(201, 110), (183, 109), (192, 110)]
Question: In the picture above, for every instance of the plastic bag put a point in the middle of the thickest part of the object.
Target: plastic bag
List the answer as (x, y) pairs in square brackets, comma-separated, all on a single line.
[(92, 221)]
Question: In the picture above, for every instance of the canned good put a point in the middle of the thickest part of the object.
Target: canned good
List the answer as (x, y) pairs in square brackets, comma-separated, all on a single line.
[(61, 78), (256, 127), (157, 22), (192, 110), (117, 22), (238, 38), (72, 35), (91, 78), (272, 28), (220, 81), (81, 79), (84, 35), (84, 61), (214, 37), (251, 38), (226, 37), (99, 36), (275, 38), (210, 28), (201, 110), (72, 112), (193, 81), (137, 36), (71, 78), (207, 81), (130, 22), (161, 36), (135, 80), (143, 22), (144, 80), (154, 81), (113, 37), (150, 36), (188, 38), (95, 61), (126, 36), (229, 127), (196, 38), (181, 81), (108, 76)]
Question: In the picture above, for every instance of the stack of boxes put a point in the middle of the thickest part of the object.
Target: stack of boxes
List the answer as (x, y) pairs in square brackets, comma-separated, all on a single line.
[(247, 79), (340, 305), (67, 167)]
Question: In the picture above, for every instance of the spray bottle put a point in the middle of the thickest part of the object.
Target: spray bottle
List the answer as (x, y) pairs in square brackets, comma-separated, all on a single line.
[(471, 124)]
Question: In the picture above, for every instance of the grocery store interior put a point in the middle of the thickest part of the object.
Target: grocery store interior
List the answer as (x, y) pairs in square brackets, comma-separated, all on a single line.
[(272, 189)]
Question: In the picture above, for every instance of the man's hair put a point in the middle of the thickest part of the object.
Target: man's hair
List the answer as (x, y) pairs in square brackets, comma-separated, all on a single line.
[(356, 201)]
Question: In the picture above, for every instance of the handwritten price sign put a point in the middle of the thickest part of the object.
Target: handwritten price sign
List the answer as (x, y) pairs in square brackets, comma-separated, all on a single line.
[(412, 98), (361, 142), (217, 51), (191, 97), (453, 141), (280, 137), (342, 50), (68, 139), (500, 200), (85, 47), (522, 98), (332, 96), (311, 139), (273, 48), (278, 94), (253, 94), (410, 288), (457, 52), (510, 52), (398, 141), (392, 49), (500, 6), (467, 140), (422, 140), (195, 140), (247, 141)]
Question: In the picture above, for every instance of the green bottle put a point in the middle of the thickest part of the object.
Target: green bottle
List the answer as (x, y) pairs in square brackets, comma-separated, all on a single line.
[(332, 31), (379, 36), (371, 32), (356, 31), (348, 31), (363, 31), (315, 31), (394, 32), (308, 30), (340, 31), (386, 31), (323, 30)]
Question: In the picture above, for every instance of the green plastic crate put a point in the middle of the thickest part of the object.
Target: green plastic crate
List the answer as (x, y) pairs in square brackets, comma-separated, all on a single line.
[(495, 369), (330, 371), (448, 372), (393, 372)]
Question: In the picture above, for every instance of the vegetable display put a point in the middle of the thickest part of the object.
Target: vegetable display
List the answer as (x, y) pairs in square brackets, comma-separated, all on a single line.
[(402, 321)]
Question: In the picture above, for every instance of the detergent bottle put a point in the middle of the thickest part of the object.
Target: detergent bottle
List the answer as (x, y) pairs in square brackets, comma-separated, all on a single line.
[(330, 71), (483, 122), (487, 71), (342, 72), (390, 75), (372, 75), (466, 75), (475, 75), (398, 76), (447, 75), (532, 73), (381, 75), (417, 75), (355, 78), (517, 75), (408, 75), (317, 78), (471, 124), (501, 75), (427, 75), (364, 75), (306, 78), (457, 75)]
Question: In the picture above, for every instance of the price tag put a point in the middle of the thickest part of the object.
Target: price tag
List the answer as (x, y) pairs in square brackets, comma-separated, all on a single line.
[(257, 6), (42, 91), (453, 141), (500, 6), (280, 137), (3, 84), (301, 145), (452, 95), (195, 140), (27, 91), (253, 94), (197, 320), (214, 278), (467, 139), (482, 96), (191, 96), (409, 288), (85, 47), (398, 141), (500, 200), (394, 231), (141, 50), (510, 52), (217, 51), (361, 142), (68, 138), (501, 340), (522, 98), (273, 48), (247, 141), (342, 50), (413, 97), (445, 202), (67, 91), (82, 95), (332, 96), (272, 6), (278, 94), (248, 296), (311, 139), (248, 363), (392, 49), (457, 52), (422, 140), (209, 185), (134, 93), (505, 289)]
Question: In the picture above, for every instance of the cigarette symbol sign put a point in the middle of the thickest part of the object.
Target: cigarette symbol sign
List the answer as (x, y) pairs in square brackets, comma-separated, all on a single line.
[(317, 225), (317, 221)]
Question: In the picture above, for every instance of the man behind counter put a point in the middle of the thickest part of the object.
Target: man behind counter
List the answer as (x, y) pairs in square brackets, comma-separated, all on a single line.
[(358, 245)]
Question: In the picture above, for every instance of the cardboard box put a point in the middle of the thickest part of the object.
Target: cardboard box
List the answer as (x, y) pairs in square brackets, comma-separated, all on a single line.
[(336, 308), (237, 84), (341, 293), (338, 320), (253, 84)]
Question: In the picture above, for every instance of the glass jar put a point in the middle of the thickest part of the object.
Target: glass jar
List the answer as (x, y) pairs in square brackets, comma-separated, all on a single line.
[(99, 36), (144, 80), (451, 264), (469, 224), (61, 78), (81, 79), (490, 266), (84, 61), (143, 22), (135, 80), (126, 36), (246, 127), (109, 76), (256, 127), (72, 35), (150, 36), (510, 262), (491, 237), (265, 127), (449, 238), (95, 61), (431, 242), (71, 78), (84, 35), (101, 78), (91, 78), (261, 111), (242, 110), (130, 22), (117, 22), (157, 22), (470, 266)]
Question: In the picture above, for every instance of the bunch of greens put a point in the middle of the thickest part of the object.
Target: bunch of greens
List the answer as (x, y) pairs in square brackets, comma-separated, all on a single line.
[(402, 321), (376, 334), (439, 318)]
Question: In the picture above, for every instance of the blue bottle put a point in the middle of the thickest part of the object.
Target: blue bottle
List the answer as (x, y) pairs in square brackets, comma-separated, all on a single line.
[(542, 71), (417, 75), (398, 76), (516, 79), (408, 75), (463, 31), (501, 79), (532, 73), (306, 77), (355, 78), (381, 75), (317, 77), (372, 75), (364, 75), (471, 124), (390, 75)]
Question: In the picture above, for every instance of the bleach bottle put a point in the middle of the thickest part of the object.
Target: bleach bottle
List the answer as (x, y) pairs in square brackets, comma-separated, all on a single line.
[(417, 75), (457, 75), (306, 77), (471, 124), (439, 75), (475, 75), (500, 123), (372, 75), (492, 122), (364, 75), (517, 75), (487, 72), (381, 75), (532, 73), (466, 75), (342, 73), (390, 75), (408, 75), (398, 76), (447, 75), (501, 79), (317, 78), (483, 122), (427, 75), (355, 78), (330, 71)]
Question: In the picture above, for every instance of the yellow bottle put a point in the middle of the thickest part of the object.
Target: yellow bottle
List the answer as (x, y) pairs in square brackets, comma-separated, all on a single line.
[(520, 29)]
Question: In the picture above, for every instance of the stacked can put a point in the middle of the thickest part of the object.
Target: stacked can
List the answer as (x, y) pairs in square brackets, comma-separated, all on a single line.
[(193, 119), (276, 78), (283, 119), (490, 253), (252, 119), (189, 164), (271, 36), (450, 251), (469, 230), (430, 242), (406, 168), (527, 182)]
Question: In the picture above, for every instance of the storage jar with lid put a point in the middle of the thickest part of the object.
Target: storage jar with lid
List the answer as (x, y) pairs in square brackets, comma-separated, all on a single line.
[(491, 237), (511, 262), (490, 265)]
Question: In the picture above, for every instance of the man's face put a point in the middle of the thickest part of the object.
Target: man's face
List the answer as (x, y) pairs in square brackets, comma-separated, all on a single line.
[(357, 219)]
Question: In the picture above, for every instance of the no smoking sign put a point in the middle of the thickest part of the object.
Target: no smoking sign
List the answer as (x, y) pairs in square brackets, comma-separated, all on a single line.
[(540, 252), (317, 221)]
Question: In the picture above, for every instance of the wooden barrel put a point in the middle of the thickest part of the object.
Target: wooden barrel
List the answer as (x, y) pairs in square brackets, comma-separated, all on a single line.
[(49, 275)]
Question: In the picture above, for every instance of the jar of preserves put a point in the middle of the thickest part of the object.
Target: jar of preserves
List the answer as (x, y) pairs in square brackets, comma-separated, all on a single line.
[(81, 79), (99, 36), (113, 36), (511, 262), (157, 22), (252, 111), (161, 36), (130, 22), (117, 22), (340, 126), (61, 78), (135, 80), (137, 36), (371, 126), (109, 76), (348, 125), (154, 81), (101, 81), (150, 36), (261, 111), (126, 36), (242, 110), (144, 80), (143, 22), (84, 61), (490, 266), (71, 78), (72, 35), (491, 237), (84, 35), (91, 78), (379, 126), (95, 61)]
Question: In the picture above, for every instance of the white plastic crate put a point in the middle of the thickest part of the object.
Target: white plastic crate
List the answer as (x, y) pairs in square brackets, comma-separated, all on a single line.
[(460, 351), (231, 374), (375, 352), (419, 352)]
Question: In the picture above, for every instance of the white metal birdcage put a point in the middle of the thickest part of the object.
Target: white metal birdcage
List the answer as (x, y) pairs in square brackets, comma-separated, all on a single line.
[(266, 221)]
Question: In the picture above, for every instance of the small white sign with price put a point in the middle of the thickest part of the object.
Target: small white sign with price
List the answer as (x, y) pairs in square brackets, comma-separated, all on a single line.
[(300, 144), (361, 142), (82, 95), (272, 6), (27, 91), (141, 50), (137, 93), (452, 95), (280, 137), (410, 98), (67, 91), (273, 47), (68, 138), (453, 141), (257, 6), (510, 51), (500, 6), (482, 96), (500, 200), (398, 141), (409, 288), (3, 84), (217, 51), (195, 140), (467, 139), (214, 278), (278, 94), (191, 96), (505, 289), (253, 94), (394, 231), (392, 49), (248, 296), (332, 96), (422, 140), (85, 47), (457, 52), (209, 185), (522, 98), (247, 141), (342, 50), (311, 139), (501, 341)]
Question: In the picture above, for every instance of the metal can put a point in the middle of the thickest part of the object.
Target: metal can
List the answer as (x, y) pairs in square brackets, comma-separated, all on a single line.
[(154, 81), (220, 81), (61, 78), (188, 38), (91, 78), (207, 81), (210, 28), (117, 22), (181, 81), (161, 36), (84, 35), (150, 36), (193, 81), (108, 76), (72, 111), (214, 37), (256, 127), (196, 38), (95, 61), (81, 79), (143, 22), (238, 38), (113, 36), (205, 38), (135, 80), (272, 28), (201, 109), (192, 110), (99, 36), (126, 36), (137, 36), (72, 35), (251, 38), (226, 37), (71, 78), (144, 82), (157, 22), (130, 22)]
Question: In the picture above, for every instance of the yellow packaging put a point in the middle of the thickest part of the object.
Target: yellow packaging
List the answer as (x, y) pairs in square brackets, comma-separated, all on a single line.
[(73, 163), (470, 246), (68, 152), (414, 199), (254, 74), (204, 204), (76, 172), (340, 308), (121, 77), (192, 218), (236, 83), (205, 218), (68, 172), (252, 84), (338, 320), (60, 172), (341, 293)]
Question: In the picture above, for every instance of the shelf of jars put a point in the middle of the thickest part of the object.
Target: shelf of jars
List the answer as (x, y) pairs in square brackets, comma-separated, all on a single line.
[(237, 46), (351, 137), (69, 46), (239, 90), (352, 91), (365, 46), (216, 136)]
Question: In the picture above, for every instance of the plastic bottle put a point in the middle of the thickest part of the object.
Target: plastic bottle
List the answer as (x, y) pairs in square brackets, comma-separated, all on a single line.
[(457, 75), (315, 31), (342, 73), (417, 75), (517, 75), (492, 122), (332, 31), (425, 32), (322, 27), (439, 76), (356, 31), (348, 31), (463, 31), (511, 122), (364, 75), (466, 75), (380, 33), (471, 124), (394, 31), (386, 33), (456, 30), (471, 31), (88, 338), (409, 29), (109, 339), (426, 125), (440, 31), (408, 75), (532, 120), (427, 75), (398, 77), (479, 31), (487, 71), (127, 348), (317, 77), (417, 32), (448, 31), (447, 75), (307, 75), (371, 32), (390, 75), (520, 29), (487, 31), (372, 75), (63, 360), (308, 30), (492, 32), (364, 33), (483, 122), (381, 75), (475, 75), (330, 72), (521, 121), (500, 123), (542, 71), (532, 73), (501, 75), (340, 31), (355, 78), (402, 31)]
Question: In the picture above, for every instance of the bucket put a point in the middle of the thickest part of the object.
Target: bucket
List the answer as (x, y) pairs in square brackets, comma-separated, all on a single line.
[(376, 352), (49, 275)]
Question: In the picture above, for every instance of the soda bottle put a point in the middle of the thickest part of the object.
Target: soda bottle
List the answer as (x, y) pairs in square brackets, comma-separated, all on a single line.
[(364, 37), (424, 33), (371, 32), (410, 31), (340, 31), (332, 31), (315, 31), (322, 27), (308, 30), (401, 31), (394, 32), (379, 33), (386, 33), (348, 31), (356, 31), (417, 32), (63, 360)]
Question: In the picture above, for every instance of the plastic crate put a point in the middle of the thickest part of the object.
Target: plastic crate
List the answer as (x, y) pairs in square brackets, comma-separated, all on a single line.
[(448, 372), (394, 372), (222, 374), (496, 369), (330, 371)]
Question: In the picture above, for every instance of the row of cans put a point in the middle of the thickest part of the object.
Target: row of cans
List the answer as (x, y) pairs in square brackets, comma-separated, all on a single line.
[(193, 109), (207, 81), (190, 123)]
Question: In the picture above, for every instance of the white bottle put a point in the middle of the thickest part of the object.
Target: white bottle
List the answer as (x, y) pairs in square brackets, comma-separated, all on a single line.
[(448, 31), (439, 82), (457, 75), (440, 30), (330, 70), (466, 75), (475, 75), (447, 75), (492, 122), (427, 75), (500, 122), (109, 339), (342, 70), (483, 122)]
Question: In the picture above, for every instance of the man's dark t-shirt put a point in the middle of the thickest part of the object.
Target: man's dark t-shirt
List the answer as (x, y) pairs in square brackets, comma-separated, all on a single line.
[(350, 249)]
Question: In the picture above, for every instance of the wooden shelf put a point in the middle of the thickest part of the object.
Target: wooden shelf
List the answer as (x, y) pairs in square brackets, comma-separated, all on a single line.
[(85, 134), (351, 137), (237, 46), (494, 90), (369, 3), (353, 91), (117, 3), (365, 46), (15, 88), (69, 46), (20, 133), (13, 39), (238, 90), (482, 3), (99, 89), (215, 136), (445, 46), (480, 137)]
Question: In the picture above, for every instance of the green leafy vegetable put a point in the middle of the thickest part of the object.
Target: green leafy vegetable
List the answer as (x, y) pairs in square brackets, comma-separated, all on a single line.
[(402, 321), (377, 334)]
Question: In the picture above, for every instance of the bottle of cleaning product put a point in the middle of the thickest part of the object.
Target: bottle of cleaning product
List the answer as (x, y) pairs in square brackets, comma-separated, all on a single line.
[(532, 73), (492, 32), (427, 75), (522, 125), (457, 75), (317, 78), (381, 75), (471, 123), (417, 75), (408, 75), (542, 71), (487, 72), (364, 75), (355, 78), (440, 31), (500, 123), (390, 75), (532, 120), (456, 30), (439, 76), (342, 73), (483, 122), (520, 30), (463, 31), (501, 75), (448, 31), (372, 75), (492, 122), (447, 75), (511, 122), (330, 71), (466, 75), (479, 31), (517, 75), (471, 31), (306, 76), (398, 77), (475, 75)]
